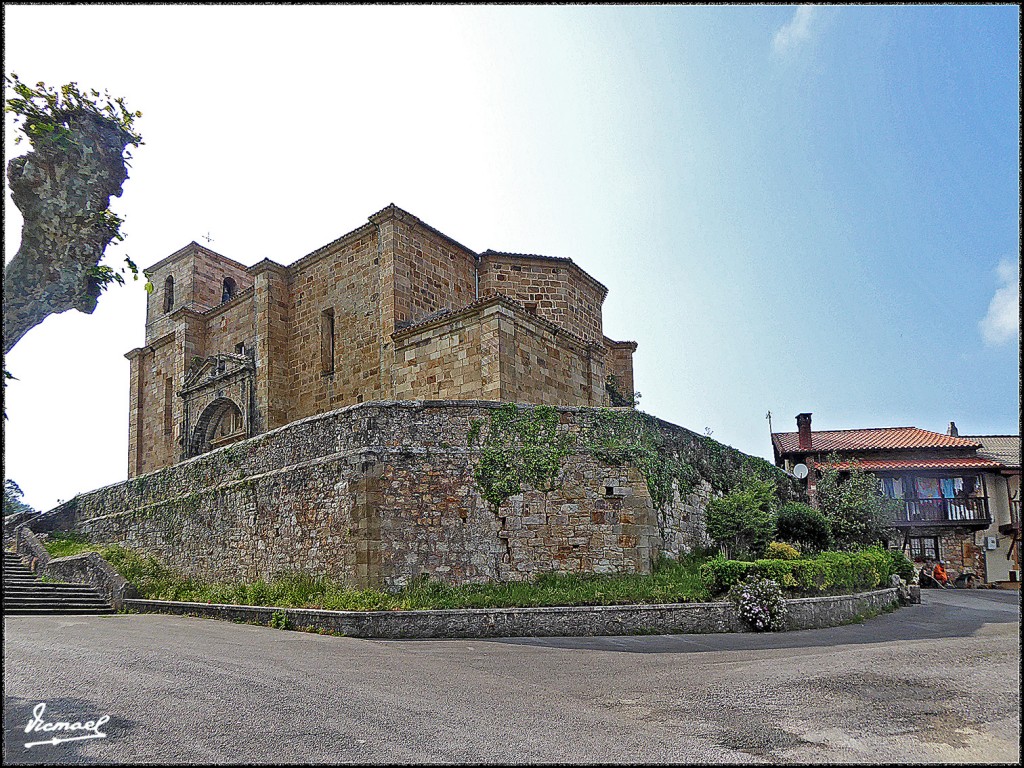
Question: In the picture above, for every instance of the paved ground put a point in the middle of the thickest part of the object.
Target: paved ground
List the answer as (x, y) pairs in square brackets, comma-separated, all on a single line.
[(939, 682)]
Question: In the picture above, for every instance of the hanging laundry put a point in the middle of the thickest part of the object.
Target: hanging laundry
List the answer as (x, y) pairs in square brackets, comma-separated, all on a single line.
[(928, 488)]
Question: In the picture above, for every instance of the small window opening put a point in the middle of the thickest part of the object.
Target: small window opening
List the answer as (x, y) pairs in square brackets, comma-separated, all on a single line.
[(229, 290), (168, 293), (609, 490), (327, 341), (168, 406), (240, 348)]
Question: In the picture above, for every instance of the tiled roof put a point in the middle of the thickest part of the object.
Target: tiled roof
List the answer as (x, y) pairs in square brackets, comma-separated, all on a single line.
[(893, 464), (884, 439), (1002, 448)]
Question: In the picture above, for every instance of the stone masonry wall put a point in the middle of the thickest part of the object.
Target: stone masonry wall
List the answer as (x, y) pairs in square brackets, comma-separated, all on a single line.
[(558, 290), (432, 272), (540, 365), (380, 493), (345, 279), (445, 358)]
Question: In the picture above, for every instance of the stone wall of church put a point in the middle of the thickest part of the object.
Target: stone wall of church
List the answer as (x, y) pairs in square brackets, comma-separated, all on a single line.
[(431, 271), (557, 290), (344, 280)]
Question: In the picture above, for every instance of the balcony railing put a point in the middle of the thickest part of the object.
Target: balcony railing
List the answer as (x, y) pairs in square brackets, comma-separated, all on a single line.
[(945, 512)]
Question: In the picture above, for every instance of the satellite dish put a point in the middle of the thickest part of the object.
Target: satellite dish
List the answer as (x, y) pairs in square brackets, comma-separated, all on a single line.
[(800, 470)]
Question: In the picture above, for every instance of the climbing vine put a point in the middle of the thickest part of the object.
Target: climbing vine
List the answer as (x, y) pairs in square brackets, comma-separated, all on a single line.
[(520, 447), (631, 437), (524, 447)]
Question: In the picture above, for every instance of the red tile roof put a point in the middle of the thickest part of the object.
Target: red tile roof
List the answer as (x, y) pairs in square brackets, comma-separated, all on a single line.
[(894, 464), (884, 439)]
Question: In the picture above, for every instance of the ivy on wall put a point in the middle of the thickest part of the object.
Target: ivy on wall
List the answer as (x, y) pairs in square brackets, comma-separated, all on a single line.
[(524, 447), (632, 437), (520, 447)]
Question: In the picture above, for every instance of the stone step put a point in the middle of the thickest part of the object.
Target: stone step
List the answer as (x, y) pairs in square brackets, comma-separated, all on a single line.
[(57, 611), (56, 602), (66, 592)]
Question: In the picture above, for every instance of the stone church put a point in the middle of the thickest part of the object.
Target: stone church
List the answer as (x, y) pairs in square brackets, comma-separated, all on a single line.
[(393, 310)]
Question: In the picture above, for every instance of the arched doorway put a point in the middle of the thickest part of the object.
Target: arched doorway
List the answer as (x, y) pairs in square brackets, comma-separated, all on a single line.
[(219, 424)]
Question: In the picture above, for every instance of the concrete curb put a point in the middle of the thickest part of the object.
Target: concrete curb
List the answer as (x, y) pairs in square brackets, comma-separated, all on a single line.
[(568, 621)]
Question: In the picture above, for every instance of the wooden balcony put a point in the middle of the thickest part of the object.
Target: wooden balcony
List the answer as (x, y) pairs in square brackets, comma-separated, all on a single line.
[(972, 513)]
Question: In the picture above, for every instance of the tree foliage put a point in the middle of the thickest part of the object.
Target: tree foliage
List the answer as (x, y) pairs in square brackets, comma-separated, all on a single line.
[(79, 159), (742, 522), (857, 512), (13, 503), (805, 526)]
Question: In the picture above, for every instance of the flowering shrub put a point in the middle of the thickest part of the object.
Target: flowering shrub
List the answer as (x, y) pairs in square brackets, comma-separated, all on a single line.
[(779, 550), (759, 603)]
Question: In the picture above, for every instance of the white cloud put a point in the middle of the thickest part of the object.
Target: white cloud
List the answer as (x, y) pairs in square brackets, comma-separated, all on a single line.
[(797, 30), (1002, 323)]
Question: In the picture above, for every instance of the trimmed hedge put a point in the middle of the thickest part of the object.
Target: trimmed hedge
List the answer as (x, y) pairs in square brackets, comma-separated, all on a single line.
[(838, 571)]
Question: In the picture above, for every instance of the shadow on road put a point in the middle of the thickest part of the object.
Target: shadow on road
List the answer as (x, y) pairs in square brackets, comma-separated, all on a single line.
[(942, 614)]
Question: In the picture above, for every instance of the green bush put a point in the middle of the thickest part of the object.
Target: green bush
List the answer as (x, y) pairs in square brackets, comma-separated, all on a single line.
[(829, 571), (742, 522), (779, 550), (719, 574), (810, 575), (902, 565), (805, 526)]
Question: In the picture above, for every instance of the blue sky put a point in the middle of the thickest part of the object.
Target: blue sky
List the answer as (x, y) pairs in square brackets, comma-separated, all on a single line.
[(794, 208)]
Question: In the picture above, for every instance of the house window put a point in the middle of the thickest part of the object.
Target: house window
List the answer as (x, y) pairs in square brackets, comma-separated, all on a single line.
[(327, 341), (924, 548), (168, 293), (229, 290)]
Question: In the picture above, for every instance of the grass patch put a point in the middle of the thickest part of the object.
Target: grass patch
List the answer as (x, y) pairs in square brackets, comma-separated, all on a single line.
[(672, 581), (67, 544)]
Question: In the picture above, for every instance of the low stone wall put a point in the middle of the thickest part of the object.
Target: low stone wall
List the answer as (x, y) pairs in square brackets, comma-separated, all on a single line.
[(817, 612), (90, 568), (583, 621), (381, 493), (28, 545), (85, 568)]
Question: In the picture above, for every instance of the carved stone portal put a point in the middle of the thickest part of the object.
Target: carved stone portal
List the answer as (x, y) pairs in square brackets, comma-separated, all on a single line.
[(219, 403)]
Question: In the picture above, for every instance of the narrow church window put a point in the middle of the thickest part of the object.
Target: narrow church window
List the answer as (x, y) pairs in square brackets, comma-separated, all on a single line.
[(327, 340), (240, 348), (168, 405), (168, 293), (229, 290)]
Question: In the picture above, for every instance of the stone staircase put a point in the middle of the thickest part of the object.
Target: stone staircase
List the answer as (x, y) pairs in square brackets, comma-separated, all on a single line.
[(25, 595)]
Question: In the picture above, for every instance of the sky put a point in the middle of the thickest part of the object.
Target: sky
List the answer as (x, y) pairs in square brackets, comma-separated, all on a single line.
[(795, 208)]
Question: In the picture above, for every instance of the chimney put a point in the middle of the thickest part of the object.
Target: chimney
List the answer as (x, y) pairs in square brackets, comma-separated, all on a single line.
[(952, 431), (803, 426)]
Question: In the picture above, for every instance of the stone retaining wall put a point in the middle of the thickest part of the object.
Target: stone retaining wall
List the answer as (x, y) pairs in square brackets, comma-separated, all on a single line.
[(85, 568), (380, 493), (680, 618)]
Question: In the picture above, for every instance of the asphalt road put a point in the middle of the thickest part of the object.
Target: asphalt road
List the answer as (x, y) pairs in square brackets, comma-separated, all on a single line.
[(939, 682)]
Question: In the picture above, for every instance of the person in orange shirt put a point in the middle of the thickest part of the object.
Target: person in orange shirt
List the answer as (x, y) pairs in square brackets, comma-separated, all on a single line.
[(939, 573)]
